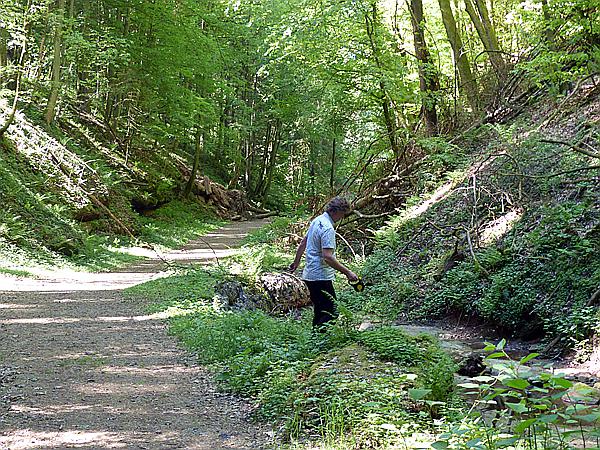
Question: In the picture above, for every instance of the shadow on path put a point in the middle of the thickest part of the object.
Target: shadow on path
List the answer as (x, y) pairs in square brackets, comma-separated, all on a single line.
[(81, 367)]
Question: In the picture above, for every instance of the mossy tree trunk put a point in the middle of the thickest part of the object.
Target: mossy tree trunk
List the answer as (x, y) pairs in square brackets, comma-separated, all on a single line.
[(480, 17), (195, 167), (468, 84), (428, 77), (56, 62)]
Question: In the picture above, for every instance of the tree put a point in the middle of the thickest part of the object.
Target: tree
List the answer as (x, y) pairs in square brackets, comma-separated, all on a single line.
[(428, 77), (56, 62), (480, 17), (468, 84), (23, 16)]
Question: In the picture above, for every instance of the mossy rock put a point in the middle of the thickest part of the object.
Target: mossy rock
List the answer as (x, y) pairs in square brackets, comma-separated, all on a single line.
[(420, 354), (359, 389)]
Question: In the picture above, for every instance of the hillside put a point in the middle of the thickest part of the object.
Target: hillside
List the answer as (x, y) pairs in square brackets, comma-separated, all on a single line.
[(511, 235)]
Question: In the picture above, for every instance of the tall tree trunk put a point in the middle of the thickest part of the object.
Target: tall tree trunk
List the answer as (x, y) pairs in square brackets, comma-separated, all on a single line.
[(3, 54), (20, 68), (468, 84), (428, 77), (549, 29), (197, 153), (272, 162), (332, 171), (480, 17), (389, 117), (56, 63)]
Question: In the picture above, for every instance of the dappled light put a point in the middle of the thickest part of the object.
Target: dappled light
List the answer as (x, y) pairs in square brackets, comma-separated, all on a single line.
[(497, 228), (102, 374), (333, 225)]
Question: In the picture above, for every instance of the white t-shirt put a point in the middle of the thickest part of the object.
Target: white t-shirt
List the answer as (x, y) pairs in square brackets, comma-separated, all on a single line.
[(321, 234)]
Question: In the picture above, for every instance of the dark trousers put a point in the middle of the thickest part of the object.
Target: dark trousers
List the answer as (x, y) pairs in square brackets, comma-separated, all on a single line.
[(323, 297)]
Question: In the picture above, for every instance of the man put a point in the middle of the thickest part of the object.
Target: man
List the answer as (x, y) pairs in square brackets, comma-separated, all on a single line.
[(321, 263)]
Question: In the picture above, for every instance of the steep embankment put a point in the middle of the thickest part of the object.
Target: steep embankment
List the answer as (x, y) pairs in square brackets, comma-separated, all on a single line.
[(510, 239), (67, 192)]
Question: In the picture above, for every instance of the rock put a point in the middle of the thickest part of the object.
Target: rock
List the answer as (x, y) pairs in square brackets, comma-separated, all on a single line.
[(472, 366), (234, 295), (582, 394)]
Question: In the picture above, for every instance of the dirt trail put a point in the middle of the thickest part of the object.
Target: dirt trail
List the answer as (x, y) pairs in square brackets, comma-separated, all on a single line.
[(81, 367)]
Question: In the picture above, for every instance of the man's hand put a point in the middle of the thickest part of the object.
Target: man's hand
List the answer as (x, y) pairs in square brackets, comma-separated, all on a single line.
[(293, 266), (351, 276)]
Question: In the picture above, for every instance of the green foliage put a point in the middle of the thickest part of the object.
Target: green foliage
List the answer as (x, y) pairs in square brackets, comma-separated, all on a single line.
[(536, 410), (421, 355), (270, 233), (177, 222), (571, 51)]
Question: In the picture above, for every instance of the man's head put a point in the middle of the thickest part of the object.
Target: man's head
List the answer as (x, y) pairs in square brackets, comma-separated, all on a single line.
[(338, 208)]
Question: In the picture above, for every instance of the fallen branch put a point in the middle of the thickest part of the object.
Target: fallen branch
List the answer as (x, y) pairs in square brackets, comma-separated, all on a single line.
[(574, 147), (374, 216), (550, 175), (109, 213)]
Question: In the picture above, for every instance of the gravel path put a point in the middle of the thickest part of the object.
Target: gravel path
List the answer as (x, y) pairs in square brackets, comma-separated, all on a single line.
[(81, 367)]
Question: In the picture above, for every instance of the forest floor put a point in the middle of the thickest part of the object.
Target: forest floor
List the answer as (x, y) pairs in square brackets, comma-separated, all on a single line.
[(81, 366)]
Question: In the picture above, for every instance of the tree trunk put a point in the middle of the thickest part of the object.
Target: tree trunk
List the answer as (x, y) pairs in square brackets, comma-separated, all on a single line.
[(20, 68), (549, 30), (197, 153), (386, 103), (481, 20), (3, 54), (428, 77), (468, 84), (332, 171), (56, 63), (272, 162)]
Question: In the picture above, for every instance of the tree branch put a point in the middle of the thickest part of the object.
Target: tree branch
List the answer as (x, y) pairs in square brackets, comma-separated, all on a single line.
[(574, 147)]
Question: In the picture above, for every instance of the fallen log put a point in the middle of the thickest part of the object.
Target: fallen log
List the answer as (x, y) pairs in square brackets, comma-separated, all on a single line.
[(274, 293)]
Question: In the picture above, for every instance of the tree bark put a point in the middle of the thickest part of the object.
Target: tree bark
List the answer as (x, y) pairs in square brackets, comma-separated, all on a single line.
[(468, 84), (198, 151), (481, 20), (20, 68), (428, 78), (332, 171), (272, 162), (56, 63), (389, 116), (3, 54)]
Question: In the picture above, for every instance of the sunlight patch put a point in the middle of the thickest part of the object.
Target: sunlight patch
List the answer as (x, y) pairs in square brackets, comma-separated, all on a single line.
[(499, 227)]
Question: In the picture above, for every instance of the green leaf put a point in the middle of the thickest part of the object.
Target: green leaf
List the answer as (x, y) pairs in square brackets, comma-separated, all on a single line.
[(562, 382), (517, 383), (517, 407), (506, 442), (468, 385), (591, 417), (496, 355), (440, 445), (522, 426), (473, 443), (489, 347), (418, 394), (528, 358), (548, 418), (501, 344)]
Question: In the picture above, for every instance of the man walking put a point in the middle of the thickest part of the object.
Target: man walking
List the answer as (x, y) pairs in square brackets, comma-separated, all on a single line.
[(321, 263)]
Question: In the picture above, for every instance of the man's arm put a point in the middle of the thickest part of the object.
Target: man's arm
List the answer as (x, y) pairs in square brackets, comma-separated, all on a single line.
[(332, 261), (299, 253)]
